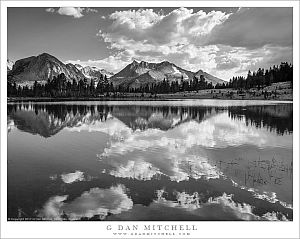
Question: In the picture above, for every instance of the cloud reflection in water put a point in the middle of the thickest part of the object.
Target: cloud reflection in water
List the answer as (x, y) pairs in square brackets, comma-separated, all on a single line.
[(179, 152), (96, 201)]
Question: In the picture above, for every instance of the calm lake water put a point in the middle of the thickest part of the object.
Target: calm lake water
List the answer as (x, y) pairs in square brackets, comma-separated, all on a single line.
[(150, 160)]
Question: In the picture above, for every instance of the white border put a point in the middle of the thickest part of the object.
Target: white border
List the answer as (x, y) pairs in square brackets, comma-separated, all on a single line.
[(98, 229)]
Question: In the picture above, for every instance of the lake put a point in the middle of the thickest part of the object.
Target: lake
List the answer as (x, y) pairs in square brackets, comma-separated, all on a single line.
[(150, 160)]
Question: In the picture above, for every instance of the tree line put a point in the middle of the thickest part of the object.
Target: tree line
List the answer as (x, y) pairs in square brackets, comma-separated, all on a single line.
[(166, 86), (60, 86), (261, 78)]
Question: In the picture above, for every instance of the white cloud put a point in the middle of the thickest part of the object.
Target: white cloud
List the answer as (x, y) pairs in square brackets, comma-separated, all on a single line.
[(137, 169), (96, 201), (179, 26), (51, 209), (88, 9), (151, 30), (72, 177), (51, 9), (76, 12), (132, 19)]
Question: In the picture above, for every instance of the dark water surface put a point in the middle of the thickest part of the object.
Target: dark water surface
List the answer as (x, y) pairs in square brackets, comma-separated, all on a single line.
[(162, 160)]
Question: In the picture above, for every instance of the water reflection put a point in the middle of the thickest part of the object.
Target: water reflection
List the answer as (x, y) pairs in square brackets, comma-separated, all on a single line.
[(274, 117), (48, 119), (205, 162), (96, 201)]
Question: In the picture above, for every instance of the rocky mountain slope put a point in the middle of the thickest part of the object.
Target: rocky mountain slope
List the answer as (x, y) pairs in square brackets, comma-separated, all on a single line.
[(41, 68), (45, 66), (138, 74)]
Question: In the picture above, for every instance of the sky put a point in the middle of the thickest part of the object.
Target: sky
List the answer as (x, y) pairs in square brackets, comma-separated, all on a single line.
[(224, 42)]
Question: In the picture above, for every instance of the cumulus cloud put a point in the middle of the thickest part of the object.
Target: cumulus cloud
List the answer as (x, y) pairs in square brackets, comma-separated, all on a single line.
[(50, 9), (76, 12), (96, 201), (51, 209), (137, 169), (72, 177), (146, 26), (200, 40)]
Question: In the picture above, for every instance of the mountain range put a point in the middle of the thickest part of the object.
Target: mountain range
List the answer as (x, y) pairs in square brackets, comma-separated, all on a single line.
[(143, 73), (45, 66)]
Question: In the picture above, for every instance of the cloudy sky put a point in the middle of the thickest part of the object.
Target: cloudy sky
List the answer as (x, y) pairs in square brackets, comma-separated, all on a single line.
[(221, 41)]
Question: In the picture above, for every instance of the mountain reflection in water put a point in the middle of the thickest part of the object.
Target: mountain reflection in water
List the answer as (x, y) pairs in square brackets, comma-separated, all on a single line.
[(118, 161)]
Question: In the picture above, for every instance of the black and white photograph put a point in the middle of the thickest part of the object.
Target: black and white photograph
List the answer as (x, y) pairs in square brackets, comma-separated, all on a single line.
[(135, 113)]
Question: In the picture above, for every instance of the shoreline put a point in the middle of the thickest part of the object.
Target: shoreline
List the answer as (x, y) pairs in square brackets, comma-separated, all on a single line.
[(130, 98), (276, 92)]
